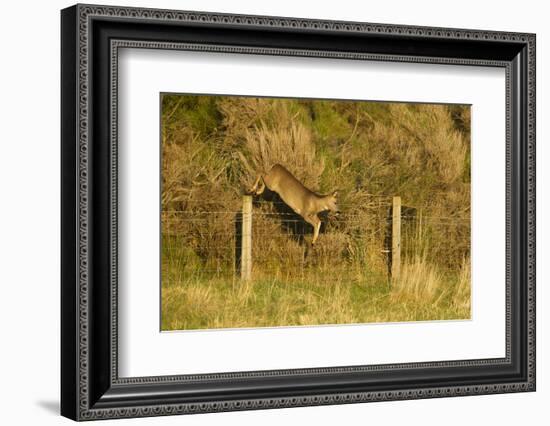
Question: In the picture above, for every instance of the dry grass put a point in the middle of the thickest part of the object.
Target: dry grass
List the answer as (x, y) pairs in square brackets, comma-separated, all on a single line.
[(315, 294), (422, 283), (221, 302), (288, 142), (461, 298), (419, 281)]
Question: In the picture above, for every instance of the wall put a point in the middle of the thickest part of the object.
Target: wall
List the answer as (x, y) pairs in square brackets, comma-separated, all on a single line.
[(29, 225)]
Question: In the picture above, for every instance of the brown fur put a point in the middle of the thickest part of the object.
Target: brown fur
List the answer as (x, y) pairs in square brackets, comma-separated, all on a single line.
[(303, 201)]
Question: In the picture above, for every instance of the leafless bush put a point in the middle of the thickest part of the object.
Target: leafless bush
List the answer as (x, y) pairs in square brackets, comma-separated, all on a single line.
[(281, 139)]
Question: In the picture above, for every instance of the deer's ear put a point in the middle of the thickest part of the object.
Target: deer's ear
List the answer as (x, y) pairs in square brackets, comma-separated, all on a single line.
[(335, 194)]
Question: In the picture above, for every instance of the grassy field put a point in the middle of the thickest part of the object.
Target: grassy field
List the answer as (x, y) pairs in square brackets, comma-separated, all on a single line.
[(307, 296)]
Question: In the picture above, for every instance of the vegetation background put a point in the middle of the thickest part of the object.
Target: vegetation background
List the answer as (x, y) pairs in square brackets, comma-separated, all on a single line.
[(213, 148)]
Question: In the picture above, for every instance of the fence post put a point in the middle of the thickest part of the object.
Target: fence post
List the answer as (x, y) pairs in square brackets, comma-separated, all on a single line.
[(246, 235), (396, 239)]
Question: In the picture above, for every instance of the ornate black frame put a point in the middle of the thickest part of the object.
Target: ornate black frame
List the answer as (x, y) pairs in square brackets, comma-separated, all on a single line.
[(91, 37)]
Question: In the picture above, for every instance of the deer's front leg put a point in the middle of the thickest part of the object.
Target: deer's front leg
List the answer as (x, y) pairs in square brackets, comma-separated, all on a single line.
[(316, 223), (316, 230)]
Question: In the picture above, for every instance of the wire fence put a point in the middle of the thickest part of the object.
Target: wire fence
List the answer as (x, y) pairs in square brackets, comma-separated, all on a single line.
[(202, 241)]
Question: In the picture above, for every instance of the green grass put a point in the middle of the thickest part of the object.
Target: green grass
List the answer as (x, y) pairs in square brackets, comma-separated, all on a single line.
[(318, 296)]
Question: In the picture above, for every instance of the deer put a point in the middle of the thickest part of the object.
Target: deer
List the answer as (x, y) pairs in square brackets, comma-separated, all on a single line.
[(302, 200)]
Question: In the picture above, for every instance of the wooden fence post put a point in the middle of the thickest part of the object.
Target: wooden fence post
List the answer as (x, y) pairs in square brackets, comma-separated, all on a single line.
[(396, 239), (246, 242)]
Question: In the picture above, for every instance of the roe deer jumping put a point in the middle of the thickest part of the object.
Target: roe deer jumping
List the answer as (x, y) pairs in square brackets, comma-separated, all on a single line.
[(304, 202)]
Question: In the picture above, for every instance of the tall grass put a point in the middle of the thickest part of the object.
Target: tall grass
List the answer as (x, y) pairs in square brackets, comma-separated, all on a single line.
[(288, 143), (423, 283), (202, 302), (286, 294)]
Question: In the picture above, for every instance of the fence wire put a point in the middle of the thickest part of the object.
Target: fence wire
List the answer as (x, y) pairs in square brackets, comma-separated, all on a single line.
[(209, 241)]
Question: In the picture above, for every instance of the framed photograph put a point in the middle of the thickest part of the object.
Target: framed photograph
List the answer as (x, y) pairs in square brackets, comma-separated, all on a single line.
[(263, 212)]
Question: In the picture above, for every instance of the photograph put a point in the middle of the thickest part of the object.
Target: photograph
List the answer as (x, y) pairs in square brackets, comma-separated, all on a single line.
[(279, 212)]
